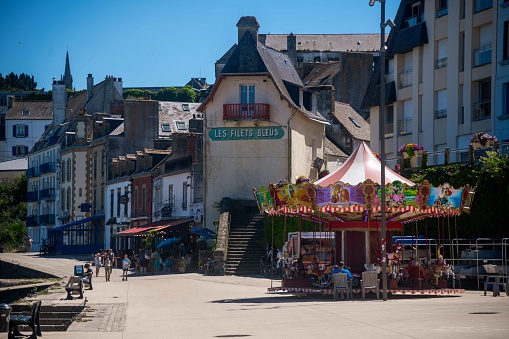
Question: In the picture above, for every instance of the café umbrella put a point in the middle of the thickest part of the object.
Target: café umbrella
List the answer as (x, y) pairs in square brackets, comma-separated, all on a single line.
[(168, 242)]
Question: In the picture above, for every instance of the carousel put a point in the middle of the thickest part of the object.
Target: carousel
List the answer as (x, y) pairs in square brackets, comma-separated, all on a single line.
[(346, 206)]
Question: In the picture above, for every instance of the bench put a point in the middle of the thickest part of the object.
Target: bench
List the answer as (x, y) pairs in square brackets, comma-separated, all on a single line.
[(31, 320), (76, 286)]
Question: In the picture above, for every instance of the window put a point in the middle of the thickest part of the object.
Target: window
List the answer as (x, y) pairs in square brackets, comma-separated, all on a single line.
[(20, 131), (165, 128), (171, 198), (118, 201), (62, 171), (19, 151), (68, 169), (247, 94), (62, 202), (184, 195), (442, 8), (112, 201), (25, 112), (143, 199), (505, 99), (416, 16), (68, 200), (185, 107), (505, 48), (481, 5), (94, 165), (126, 192), (441, 111), (389, 120), (482, 109), (181, 125), (354, 122), (441, 54)]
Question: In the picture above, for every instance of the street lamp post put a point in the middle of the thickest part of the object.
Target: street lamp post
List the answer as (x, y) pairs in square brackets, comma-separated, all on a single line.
[(383, 24)]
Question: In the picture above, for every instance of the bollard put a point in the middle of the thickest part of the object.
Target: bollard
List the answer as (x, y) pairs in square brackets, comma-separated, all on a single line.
[(5, 315)]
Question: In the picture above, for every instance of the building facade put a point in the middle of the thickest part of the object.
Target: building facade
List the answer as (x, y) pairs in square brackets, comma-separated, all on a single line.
[(445, 64), (260, 123)]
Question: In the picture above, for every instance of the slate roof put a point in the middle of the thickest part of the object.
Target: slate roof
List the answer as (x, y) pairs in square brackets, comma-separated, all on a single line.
[(171, 112), (331, 149), (348, 117), (254, 58), (322, 74), (39, 110), (324, 42), (20, 164)]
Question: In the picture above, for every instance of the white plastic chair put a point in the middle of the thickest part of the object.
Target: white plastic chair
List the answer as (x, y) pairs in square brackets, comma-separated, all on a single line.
[(370, 280), (341, 283)]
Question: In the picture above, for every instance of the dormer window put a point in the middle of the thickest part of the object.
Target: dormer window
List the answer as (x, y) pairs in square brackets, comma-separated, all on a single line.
[(165, 128), (185, 107), (25, 112), (416, 14), (181, 125)]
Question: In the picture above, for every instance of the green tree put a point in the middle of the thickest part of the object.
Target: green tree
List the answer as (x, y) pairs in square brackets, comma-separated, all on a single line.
[(13, 211), (186, 94), (13, 82), (137, 94)]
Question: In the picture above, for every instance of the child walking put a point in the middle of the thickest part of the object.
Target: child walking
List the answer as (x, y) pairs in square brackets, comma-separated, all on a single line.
[(125, 267)]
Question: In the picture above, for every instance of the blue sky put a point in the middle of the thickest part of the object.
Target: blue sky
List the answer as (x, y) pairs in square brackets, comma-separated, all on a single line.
[(156, 42)]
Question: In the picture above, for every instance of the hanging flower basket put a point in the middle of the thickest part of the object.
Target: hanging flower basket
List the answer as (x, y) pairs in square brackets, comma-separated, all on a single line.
[(323, 173), (481, 139), (409, 151)]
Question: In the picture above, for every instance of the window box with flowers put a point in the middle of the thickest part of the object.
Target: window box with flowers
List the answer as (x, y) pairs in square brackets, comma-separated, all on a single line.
[(323, 173), (409, 152), (481, 140)]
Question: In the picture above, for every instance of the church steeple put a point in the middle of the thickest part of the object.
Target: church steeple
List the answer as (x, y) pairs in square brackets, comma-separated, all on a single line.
[(67, 75)]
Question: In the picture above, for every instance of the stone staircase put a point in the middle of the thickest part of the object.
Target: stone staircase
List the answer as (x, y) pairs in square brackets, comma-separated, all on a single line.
[(245, 241), (53, 318)]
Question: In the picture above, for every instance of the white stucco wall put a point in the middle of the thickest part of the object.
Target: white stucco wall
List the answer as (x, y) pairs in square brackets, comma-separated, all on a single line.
[(233, 167)]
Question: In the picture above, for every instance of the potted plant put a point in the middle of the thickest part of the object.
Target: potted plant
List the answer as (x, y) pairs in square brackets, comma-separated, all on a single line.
[(181, 264), (323, 173), (301, 179), (481, 139), (409, 151)]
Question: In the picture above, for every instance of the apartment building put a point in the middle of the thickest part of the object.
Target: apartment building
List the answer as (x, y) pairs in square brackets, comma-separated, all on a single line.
[(445, 77)]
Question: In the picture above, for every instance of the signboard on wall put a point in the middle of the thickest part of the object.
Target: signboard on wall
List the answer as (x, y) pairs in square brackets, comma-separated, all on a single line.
[(246, 133)]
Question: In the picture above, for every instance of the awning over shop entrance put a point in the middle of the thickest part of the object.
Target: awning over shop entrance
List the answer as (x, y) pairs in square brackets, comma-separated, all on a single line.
[(77, 222), (155, 226)]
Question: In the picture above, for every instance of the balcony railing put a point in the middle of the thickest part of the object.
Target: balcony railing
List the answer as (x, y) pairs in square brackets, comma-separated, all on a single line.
[(32, 196), (47, 219), (47, 193), (441, 63), (389, 128), (32, 220), (481, 5), (48, 167), (442, 11), (416, 19), (405, 126), (482, 56), (389, 77), (33, 172), (246, 112), (440, 114), (481, 110), (406, 79)]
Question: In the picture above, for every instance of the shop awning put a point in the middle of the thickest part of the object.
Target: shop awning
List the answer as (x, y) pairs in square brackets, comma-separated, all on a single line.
[(77, 222), (155, 226)]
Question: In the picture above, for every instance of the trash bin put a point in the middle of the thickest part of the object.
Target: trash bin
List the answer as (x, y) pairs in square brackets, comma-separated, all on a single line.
[(5, 315)]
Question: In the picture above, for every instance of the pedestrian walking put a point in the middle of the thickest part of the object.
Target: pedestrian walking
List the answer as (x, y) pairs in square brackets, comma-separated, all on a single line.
[(97, 263), (125, 266)]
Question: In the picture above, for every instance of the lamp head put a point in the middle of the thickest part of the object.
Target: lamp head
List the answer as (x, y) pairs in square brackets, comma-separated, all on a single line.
[(372, 2), (390, 23)]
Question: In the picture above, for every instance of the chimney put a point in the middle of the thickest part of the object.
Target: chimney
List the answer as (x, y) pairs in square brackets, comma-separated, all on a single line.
[(291, 47), (90, 87), (118, 85), (59, 98), (250, 24)]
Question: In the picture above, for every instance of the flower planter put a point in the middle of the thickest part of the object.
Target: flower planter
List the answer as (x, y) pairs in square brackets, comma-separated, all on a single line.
[(476, 145), (413, 161), (182, 269)]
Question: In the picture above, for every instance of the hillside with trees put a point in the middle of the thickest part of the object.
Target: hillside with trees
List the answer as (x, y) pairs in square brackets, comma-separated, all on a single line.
[(14, 82)]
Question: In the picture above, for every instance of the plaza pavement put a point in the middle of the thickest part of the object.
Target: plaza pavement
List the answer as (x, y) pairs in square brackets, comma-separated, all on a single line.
[(194, 306)]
